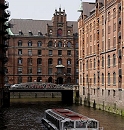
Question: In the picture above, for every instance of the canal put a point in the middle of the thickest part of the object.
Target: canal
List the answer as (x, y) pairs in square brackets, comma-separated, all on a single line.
[(27, 115)]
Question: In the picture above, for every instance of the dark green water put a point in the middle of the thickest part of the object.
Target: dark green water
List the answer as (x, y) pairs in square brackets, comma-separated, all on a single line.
[(27, 116)]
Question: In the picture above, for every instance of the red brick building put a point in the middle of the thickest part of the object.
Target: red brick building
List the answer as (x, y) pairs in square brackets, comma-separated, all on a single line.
[(4, 14), (43, 50), (101, 52)]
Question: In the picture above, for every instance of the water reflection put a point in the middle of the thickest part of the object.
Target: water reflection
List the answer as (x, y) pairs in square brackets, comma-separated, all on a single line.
[(27, 116)]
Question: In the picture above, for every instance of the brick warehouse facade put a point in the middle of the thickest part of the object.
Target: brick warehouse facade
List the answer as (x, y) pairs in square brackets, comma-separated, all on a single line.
[(101, 77), (43, 50), (4, 14)]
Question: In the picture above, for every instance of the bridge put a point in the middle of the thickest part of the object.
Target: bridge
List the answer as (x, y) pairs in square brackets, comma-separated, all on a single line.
[(67, 91)]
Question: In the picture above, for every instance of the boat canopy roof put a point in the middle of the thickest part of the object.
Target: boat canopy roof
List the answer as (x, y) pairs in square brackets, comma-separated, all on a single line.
[(66, 113)]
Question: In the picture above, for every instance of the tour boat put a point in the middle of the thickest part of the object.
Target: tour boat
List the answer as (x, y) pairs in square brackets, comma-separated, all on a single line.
[(65, 119)]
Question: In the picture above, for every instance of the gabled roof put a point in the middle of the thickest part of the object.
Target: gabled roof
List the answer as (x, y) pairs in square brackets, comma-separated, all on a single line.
[(35, 26)]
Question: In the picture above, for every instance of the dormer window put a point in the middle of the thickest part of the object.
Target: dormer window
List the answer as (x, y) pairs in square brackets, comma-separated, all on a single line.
[(50, 31), (30, 33), (39, 33), (20, 32), (69, 32)]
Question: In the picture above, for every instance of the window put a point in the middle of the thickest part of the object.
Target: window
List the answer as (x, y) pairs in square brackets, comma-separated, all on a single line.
[(102, 62), (108, 78), (109, 29), (108, 60), (94, 79), (20, 61), (68, 52), (94, 63), (29, 70), (114, 27), (59, 61), (102, 45), (114, 42), (102, 32), (50, 44), (68, 61), (39, 52), (50, 61), (49, 70), (29, 79), (20, 52), (87, 65), (59, 44), (39, 44), (59, 52), (114, 13), (19, 70), (39, 61), (102, 79), (50, 52), (68, 70), (108, 44), (69, 44), (108, 16), (114, 60), (38, 70), (114, 78), (19, 43), (30, 52), (29, 43), (19, 79), (29, 61), (50, 32), (59, 32)]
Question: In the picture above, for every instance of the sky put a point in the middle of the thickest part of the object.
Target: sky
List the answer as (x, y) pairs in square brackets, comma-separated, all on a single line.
[(43, 9)]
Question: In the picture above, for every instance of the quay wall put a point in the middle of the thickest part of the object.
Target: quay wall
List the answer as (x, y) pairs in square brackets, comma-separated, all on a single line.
[(108, 101)]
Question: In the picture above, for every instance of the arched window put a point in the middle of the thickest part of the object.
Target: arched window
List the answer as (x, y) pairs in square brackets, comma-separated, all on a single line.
[(59, 44), (108, 78), (19, 43), (114, 78), (39, 44), (29, 43), (108, 60), (50, 44), (59, 32), (114, 60), (69, 44)]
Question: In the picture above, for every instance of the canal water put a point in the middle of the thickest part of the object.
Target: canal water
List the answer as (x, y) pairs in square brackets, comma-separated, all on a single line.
[(27, 115)]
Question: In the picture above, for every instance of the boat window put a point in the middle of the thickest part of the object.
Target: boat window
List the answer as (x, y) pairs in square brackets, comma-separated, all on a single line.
[(91, 124), (80, 124), (69, 124)]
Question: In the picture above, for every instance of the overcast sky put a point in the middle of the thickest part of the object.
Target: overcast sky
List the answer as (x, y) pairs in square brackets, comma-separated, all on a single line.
[(43, 9)]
